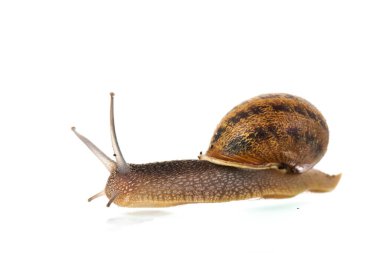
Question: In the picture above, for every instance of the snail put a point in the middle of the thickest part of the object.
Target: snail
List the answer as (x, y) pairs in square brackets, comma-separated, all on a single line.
[(266, 147)]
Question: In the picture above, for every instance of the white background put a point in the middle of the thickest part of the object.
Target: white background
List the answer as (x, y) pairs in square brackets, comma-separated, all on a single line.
[(177, 67)]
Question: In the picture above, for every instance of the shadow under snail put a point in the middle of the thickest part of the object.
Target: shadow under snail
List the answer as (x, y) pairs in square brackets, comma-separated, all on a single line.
[(265, 147)]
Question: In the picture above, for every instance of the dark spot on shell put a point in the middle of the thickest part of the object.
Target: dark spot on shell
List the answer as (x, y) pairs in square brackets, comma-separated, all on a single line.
[(237, 145), (318, 148), (300, 110), (218, 134), (315, 117), (323, 124), (307, 113), (255, 110), (309, 138), (294, 132), (273, 130), (281, 108), (233, 120), (240, 115), (312, 114), (258, 134)]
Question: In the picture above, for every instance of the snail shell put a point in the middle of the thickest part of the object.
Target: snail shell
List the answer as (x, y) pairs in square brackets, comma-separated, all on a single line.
[(272, 130)]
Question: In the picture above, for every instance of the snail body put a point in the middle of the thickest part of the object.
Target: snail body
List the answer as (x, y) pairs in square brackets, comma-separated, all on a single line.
[(264, 148)]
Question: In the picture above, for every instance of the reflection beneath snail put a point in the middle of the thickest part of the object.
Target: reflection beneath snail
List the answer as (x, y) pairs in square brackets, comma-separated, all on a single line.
[(137, 217), (278, 207)]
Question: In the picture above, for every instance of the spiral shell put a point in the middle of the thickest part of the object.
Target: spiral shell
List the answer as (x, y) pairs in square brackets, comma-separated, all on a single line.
[(271, 130)]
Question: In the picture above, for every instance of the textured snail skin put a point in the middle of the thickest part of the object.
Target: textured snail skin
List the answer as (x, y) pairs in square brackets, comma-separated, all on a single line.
[(194, 181)]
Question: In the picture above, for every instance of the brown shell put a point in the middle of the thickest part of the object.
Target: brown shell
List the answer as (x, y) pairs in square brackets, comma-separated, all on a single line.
[(272, 130)]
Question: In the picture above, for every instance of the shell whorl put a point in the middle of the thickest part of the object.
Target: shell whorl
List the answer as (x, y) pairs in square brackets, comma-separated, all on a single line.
[(272, 130)]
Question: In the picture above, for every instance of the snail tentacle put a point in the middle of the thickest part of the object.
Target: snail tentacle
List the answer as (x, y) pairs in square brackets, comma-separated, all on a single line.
[(107, 162), (112, 199), (99, 194), (122, 166)]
